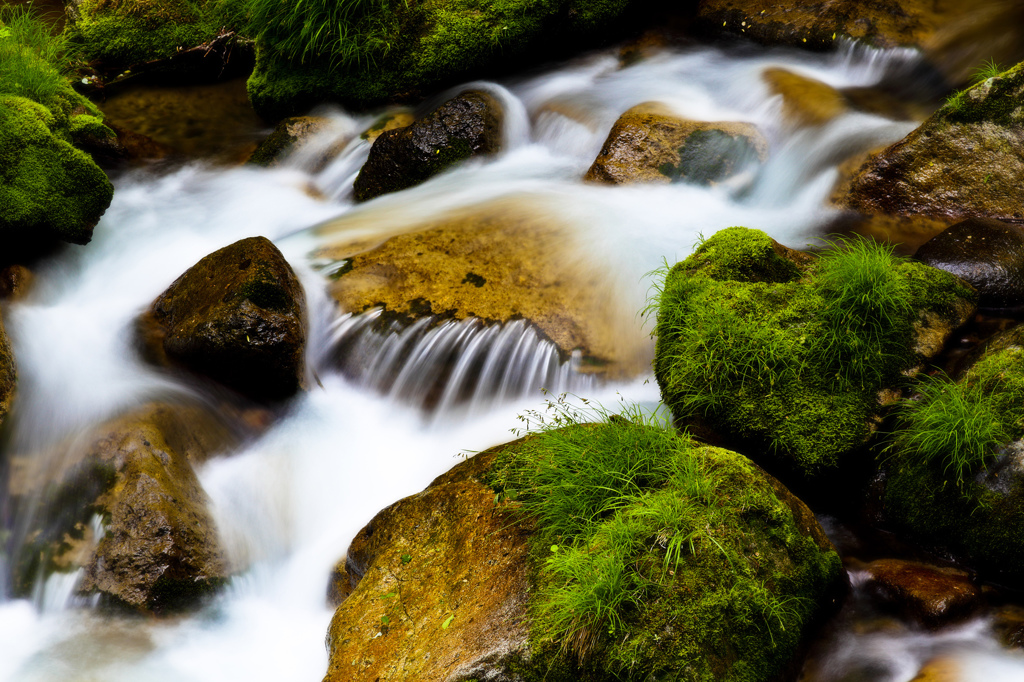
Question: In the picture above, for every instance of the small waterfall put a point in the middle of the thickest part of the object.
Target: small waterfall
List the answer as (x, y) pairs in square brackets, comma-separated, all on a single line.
[(440, 364)]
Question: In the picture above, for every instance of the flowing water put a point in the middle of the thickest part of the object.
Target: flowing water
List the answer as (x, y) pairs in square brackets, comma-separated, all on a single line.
[(392, 408)]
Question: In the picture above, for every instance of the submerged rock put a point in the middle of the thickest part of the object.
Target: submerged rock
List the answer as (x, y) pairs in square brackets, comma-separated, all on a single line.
[(453, 583), (502, 261), (48, 188), (766, 347), (986, 253), (966, 160), (649, 143), (237, 316), (465, 126), (128, 509)]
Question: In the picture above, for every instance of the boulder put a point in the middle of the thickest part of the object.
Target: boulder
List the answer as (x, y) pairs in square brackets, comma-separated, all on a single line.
[(501, 261), (966, 160), (817, 25), (805, 101), (465, 126), (986, 253), (956, 463), (455, 583), (288, 136), (238, 316), (931, 595), (48, 188), (649, 143), (124, 504), (764, 347)]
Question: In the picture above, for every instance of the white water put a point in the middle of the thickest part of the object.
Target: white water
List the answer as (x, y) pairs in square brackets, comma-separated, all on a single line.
[(287, 506)]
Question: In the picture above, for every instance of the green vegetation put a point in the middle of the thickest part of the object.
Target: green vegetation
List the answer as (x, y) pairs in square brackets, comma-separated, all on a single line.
[(993, 98), (33, 62), (988, 69), (657, 556), (780, 350)]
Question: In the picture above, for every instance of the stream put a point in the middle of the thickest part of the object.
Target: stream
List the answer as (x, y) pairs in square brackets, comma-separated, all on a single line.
[(365, 434)]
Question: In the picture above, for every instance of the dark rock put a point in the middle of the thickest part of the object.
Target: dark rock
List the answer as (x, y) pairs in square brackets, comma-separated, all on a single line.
[(289, 135), (1008, 623), (987, 253), (237, 316), (649, 143), (932, 595), (8, 375), (464, 126)]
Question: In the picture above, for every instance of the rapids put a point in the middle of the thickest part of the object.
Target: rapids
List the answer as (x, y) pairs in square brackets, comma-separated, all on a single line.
[(380, 422)]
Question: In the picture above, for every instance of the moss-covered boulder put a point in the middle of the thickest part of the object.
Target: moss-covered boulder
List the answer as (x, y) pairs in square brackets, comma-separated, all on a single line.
[(956, 463), (817, 25), (395, 51), (124, 504), (986, 253), (501, 261), (47, 186), (238, 316), (966, 160), (117, 34), (790, 355), (465, 126), (696, 565), (649, 143)]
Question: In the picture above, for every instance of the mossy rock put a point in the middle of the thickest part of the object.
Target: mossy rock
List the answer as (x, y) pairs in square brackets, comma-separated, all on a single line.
[(412, 49), (465, 126), (452, 582), (47, 186), (649, 143), (158, 549), (759, 346), (966, 160), (121, 33), (981, 518), (238, 316)]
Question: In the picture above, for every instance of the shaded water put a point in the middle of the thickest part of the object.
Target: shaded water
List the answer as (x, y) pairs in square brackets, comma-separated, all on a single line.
[(392, 409)]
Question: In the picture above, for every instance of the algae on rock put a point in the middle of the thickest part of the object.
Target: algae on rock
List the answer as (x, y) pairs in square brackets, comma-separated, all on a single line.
[(788, 353)]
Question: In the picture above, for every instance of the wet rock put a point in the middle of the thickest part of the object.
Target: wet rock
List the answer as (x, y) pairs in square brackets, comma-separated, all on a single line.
[(340, 584), (649, 143), (817, 25), (933, 596), (127, 508), (8, 375), (1008, 624), (805, 101), (964, 161), (502, 261), (987, 253), (464, 126), (942, 669), (448, 590), (390, 121), (15, 282), (237, 316), (288, 136), (749, 348)]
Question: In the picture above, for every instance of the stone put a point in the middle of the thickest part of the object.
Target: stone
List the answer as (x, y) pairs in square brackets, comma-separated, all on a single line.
[(465, 126), (288, 135), (966, 160), (940, 669), (649, 143), (933, 596), (805, 101), (501, 261), (389, 121), (8, 375), (238, 316), (126, 506), (987, 253)]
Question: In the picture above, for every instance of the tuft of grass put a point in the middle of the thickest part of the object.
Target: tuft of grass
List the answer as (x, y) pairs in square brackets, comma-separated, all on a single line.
[(33, 61), (987, 69), (956, 426), (866, 313)]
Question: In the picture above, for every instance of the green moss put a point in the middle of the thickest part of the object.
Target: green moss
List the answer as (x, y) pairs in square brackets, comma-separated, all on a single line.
[(45, 183), (659, 559), (771, 348), (996, 100)]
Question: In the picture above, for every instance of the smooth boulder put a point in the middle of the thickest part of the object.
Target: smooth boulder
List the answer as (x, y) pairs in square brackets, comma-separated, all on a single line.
[(650, 143), (987, 253), (465, 126), (238, 316)]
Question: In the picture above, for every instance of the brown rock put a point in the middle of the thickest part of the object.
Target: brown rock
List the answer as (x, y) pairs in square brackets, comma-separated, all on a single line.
[(390, 121), (1008, 623), (15, 281), (8, 375), (932, 595), (649, 143), (237, 316), (942, 669), (805, 101), (464, 126), (442, 587), (501, 261)]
